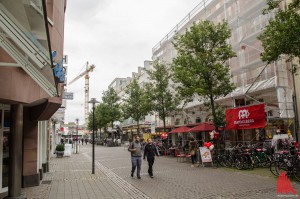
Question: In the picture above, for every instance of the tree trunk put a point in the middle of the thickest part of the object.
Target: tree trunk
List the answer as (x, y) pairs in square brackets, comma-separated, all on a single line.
[(213, 111), (138, 128)]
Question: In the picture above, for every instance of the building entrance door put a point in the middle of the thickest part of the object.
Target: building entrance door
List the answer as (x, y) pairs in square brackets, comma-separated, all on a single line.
[(4, 147)]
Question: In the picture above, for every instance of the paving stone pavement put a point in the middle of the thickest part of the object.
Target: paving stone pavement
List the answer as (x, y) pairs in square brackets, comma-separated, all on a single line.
[(70, 177)]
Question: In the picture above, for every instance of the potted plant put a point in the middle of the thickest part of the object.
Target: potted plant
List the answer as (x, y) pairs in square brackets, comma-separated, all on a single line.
[(60, 148)]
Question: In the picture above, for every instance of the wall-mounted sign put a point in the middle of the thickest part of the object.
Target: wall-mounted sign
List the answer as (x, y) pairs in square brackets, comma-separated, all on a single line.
[(247, 117), (68, 95), (58, 70), (65, 59)]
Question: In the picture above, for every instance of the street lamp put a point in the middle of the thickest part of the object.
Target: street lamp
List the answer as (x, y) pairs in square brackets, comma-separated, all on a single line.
[(93, 101), (76, 145)]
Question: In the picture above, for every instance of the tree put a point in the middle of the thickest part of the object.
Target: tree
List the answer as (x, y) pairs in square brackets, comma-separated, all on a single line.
[(101, 112), (163, 100), (101, 120), (112, 100), (135, 103), (281, 35), (201, 66)]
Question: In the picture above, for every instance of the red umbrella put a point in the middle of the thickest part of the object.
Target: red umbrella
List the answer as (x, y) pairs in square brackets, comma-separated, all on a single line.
[(203, 127), (182, 129)]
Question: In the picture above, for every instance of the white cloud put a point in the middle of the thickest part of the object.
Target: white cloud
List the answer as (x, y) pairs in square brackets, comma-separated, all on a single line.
[(115, 35)]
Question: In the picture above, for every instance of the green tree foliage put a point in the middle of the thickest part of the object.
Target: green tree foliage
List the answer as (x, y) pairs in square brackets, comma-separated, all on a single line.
[(90, 122), (101, 121), (163, 99), (112, 101), (201, 66), (135, 103), (281, 35)]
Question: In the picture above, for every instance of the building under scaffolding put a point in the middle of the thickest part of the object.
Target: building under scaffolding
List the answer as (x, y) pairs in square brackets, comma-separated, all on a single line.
[(254, 80)]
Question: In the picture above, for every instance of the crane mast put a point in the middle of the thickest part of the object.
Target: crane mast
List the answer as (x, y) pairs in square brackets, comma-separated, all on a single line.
[(86, 104), (86, 90)]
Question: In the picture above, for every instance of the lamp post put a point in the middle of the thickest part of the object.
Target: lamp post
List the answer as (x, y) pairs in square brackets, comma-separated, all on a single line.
[(93, 101), (76, 145)]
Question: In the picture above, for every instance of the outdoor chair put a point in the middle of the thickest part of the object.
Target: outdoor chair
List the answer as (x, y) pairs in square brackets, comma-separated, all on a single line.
[(188, 157), (180, 155)]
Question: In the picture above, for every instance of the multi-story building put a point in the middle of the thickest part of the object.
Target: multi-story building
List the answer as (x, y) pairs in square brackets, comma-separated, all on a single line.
[(255, 80), (129, 126), (31, 86)]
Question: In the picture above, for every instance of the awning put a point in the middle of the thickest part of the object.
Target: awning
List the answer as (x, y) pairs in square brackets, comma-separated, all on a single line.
[(182, 129), (203, 127)]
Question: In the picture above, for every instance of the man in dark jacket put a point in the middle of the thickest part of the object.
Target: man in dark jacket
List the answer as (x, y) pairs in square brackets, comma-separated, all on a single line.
[(150, 151), (136, 153)]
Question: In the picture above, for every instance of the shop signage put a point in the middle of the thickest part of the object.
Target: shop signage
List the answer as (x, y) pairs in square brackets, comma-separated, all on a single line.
[(205, 154), (58, 69), (68, 95), (247, 117), (59, 72)]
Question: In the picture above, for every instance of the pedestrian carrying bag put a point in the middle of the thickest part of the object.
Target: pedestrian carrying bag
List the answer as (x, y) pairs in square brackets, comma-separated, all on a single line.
[(192, 152)]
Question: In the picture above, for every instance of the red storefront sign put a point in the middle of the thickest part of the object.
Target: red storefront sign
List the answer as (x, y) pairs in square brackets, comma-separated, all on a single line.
[(247, 117)]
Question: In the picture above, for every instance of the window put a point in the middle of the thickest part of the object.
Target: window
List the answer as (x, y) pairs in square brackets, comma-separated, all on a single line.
[(198, 120)]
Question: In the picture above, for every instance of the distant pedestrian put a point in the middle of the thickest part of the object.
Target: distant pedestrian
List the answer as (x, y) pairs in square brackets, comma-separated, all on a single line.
[(82, 141), (136, 156), (193, 151), (150, 151), (86, 141)]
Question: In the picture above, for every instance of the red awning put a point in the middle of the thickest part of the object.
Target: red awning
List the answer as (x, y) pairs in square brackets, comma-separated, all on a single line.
[(203, 127), (182, 129)]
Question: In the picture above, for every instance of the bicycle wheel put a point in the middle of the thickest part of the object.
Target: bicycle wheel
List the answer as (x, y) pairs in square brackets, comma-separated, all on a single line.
[(255, 161), (239, 163), (250, 162), (273, 170), (281, 167), (228, 162), (223, 161), (264, 160), (296, 170)]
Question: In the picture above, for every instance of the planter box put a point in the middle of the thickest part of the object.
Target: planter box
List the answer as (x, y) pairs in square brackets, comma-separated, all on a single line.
[(59, 154)]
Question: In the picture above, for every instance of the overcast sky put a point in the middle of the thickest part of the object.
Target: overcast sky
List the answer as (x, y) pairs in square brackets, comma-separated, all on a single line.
[(116, 36)]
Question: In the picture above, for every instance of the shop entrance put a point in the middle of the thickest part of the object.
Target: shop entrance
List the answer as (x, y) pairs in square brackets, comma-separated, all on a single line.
[(4, 146)]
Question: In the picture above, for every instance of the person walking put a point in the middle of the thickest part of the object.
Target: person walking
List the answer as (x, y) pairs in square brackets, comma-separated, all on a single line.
[(136, 156), (193, 151), (150, 151)]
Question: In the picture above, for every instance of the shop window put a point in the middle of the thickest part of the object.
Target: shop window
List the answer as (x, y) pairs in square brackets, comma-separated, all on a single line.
[(198, 120), (241, 102)]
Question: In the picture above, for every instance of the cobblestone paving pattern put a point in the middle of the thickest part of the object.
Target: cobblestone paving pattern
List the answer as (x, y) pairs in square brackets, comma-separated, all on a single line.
[(178, 180)]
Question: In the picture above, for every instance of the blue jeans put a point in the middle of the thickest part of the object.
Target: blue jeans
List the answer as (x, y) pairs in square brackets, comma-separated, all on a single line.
[(194, 159), (136, 162)]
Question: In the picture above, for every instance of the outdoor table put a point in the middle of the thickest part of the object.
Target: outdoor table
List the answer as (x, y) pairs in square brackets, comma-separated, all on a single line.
[(172, 151)]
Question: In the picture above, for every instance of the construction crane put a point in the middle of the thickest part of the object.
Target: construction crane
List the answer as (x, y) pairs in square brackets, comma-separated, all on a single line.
[(89, 68)]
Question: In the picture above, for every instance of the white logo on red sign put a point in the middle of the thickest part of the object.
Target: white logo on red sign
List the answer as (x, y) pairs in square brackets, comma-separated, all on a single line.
[(244, 114)]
